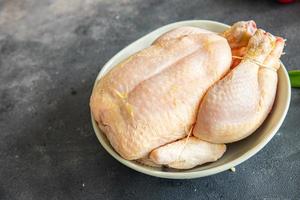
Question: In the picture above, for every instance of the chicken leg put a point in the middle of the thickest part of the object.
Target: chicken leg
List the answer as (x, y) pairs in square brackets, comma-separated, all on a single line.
[(238, 104)]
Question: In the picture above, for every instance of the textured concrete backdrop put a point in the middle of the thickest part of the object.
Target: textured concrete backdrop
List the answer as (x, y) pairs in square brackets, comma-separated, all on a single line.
[(50, 54)]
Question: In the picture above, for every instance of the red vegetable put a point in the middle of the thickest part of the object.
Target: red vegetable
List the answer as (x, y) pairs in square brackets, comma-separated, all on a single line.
[(285, 1)]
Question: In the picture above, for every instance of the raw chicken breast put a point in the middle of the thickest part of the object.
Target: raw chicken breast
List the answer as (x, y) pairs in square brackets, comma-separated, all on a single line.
[(187, 153), (238, 104), (181, 32), (151, 98)]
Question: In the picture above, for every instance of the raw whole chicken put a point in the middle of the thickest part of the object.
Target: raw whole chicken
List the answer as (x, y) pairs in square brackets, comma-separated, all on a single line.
[(148, 104)]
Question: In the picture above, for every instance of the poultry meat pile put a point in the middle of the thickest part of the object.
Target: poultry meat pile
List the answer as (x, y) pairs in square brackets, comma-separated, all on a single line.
[(179, 101)]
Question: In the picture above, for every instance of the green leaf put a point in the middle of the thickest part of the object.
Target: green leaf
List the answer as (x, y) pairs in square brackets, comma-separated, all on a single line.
[(295, 78)]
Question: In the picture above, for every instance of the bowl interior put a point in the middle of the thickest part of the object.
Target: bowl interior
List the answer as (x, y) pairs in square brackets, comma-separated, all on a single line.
[(236, 152)]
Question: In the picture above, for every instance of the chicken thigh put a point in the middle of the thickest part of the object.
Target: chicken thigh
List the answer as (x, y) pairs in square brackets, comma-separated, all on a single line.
[(238, 104)]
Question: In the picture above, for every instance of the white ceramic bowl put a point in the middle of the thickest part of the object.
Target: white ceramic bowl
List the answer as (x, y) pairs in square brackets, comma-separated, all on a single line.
[(237, 152)]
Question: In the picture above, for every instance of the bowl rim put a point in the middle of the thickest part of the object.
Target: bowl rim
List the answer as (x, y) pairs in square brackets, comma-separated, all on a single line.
[(190, 174)]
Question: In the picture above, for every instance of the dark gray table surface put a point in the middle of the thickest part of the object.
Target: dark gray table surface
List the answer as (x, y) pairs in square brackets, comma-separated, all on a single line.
[(51, 52)]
